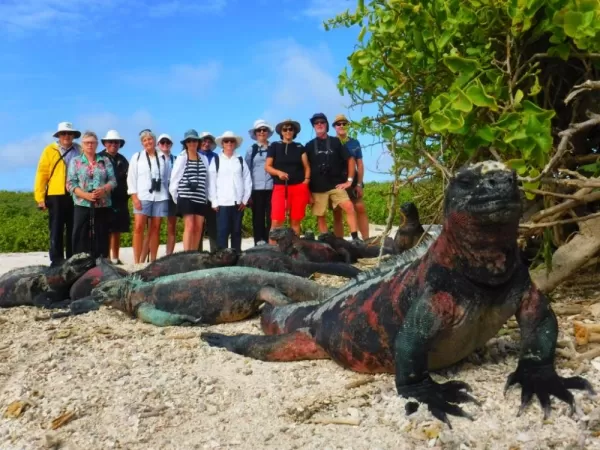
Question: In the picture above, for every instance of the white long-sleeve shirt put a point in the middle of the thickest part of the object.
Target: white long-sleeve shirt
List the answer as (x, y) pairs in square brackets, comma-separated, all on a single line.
[(139, 176), (229, 186)]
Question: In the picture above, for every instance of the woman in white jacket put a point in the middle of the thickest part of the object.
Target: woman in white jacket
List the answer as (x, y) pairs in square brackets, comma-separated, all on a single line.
[(189, 189)]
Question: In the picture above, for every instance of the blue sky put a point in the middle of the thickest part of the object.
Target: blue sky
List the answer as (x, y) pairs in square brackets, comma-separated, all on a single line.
[(168, 65)]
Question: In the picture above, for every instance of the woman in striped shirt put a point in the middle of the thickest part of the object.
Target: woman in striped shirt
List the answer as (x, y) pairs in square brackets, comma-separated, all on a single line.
[(189, 189)]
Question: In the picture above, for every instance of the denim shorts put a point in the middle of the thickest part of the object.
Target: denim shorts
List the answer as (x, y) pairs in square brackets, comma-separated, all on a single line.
[(153, 209)]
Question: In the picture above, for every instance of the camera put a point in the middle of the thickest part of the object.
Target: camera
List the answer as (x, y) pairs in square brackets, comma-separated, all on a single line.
[(192, 186), (155, 185), (324, 169)]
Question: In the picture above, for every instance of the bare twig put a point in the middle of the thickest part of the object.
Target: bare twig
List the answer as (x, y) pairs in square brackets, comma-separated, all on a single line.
[(565, 136), (553, 194), (582, 196), (586, 86), (589, 184), (559, 222)]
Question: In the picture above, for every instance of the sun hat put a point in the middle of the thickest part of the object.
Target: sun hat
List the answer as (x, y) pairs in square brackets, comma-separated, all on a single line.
[(293, 123), (190, 134), (113, 135), (339, 118), (229, 134), (164, 136), (206, 134), (67, 126), (259, 124)]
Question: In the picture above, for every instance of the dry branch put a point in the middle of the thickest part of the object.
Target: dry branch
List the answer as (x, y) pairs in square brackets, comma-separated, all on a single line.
[(559, 222), (586, 86)]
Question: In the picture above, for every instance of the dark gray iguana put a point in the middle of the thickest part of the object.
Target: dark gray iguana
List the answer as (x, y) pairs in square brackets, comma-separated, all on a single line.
[(435, 311), (208, 296)]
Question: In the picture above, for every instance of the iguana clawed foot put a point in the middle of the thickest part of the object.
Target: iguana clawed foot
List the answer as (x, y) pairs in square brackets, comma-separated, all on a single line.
[(440, 398), (543, 381), (222, 340)]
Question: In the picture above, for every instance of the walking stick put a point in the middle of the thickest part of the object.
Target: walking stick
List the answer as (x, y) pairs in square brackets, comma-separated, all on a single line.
[(286, 201), (93, 246)]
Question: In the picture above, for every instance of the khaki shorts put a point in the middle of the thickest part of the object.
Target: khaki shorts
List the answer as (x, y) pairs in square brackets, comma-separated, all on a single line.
[(321, 200)]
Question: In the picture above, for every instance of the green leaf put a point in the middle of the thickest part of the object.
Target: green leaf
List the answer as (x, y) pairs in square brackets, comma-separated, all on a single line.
[(509, 121), (562, 51), (472, 144), (439, 122), (540, 133), (461, 102), (518, 96), (387, 133), (466, 66), (439, 102), (517, 164), (573, 20), (445, 38), (591, 168), (456, 120), (486, 133), (361, 35), (515, 135), (476, 93)]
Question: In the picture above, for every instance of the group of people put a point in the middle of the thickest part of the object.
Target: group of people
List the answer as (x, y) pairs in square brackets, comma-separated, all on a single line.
[(86, 192)]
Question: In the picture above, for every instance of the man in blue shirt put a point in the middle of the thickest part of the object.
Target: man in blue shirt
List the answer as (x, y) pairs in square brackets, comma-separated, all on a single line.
[(355, 191), (207, 147)]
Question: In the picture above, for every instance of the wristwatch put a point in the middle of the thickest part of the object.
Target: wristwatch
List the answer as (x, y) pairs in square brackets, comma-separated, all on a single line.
[(350, 179)]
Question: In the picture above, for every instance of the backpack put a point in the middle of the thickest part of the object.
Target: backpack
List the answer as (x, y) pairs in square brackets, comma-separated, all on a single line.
[(216, 158)]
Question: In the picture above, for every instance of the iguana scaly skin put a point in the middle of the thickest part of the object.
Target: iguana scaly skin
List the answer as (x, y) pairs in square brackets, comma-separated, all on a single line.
[(43, 286), (207, 296), (104, 271), (304, 249), (434, 312)]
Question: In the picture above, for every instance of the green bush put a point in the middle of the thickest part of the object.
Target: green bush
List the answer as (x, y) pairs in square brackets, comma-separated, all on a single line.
[(25, 229)]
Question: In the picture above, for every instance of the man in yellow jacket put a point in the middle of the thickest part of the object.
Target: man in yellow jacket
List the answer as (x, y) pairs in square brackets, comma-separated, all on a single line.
[(50, 190)]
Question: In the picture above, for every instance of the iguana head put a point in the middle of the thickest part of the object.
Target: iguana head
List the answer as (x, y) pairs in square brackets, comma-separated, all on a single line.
[(114, 292), (282, 234), (485, 193), (226, 256), (74, 267)]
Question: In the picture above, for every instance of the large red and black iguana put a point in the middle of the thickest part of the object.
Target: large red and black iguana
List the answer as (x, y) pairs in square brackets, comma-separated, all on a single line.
[(410, 319)]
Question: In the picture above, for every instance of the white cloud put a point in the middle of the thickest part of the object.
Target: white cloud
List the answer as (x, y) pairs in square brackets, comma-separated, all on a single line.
[(192, 79), (25, 153), (20, 17), (303, 78), (328, 10)]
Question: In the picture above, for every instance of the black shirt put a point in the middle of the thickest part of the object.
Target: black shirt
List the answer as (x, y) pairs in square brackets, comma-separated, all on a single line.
[(328, 166), (120, 166), (288, 160)]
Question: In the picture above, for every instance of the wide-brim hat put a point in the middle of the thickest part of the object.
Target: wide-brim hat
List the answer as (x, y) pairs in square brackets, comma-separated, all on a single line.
[(229, 135), (259, 124), (291, 122), (113, 135), (206, 134), (190, 134), (339, 118), (67, 126)]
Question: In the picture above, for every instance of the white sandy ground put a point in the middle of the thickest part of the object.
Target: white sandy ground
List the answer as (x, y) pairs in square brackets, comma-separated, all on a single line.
[(134, 386)]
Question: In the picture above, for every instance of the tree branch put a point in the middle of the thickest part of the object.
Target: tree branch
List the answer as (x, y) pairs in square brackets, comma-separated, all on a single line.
[(586, 86), (559, 222)]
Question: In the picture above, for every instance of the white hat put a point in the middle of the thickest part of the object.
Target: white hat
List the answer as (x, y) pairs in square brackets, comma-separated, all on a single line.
[(67, 126), (229, 134), (259, 124), (206, 134), (164, 136), (113, 135)]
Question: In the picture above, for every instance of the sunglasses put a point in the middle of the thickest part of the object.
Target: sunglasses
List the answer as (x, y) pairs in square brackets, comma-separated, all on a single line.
[(111, 142), (284, 129), (145, 130), (341, 124), (165, 143), (320, 122), (229, 141), (66, 133), (262, 130)]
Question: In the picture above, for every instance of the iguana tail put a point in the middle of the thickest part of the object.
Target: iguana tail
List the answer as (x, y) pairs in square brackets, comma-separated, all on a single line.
[(339, 269)]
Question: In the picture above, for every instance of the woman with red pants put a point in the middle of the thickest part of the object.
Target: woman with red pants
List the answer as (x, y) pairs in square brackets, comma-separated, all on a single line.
[(287, 163)]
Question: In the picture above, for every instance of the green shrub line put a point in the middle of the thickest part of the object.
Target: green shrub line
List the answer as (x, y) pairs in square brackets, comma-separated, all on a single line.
[(24, 228)]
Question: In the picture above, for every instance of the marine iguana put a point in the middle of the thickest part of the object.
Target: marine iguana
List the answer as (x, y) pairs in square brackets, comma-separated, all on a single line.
[(207, 296), (187, 261), (277, 261), (104, 271), (304, 249), (43, 286), (410, 230), (434, 312), (352, 251)]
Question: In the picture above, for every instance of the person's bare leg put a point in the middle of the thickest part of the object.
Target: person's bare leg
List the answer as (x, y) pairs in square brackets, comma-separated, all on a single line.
[(171, 233), (115, 245), (348, 208), (188, 232), (322, 223), (362, 218), (144, 255), (295, 225), (139, 225), (198, 229), (154, 239), (338, 224)]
